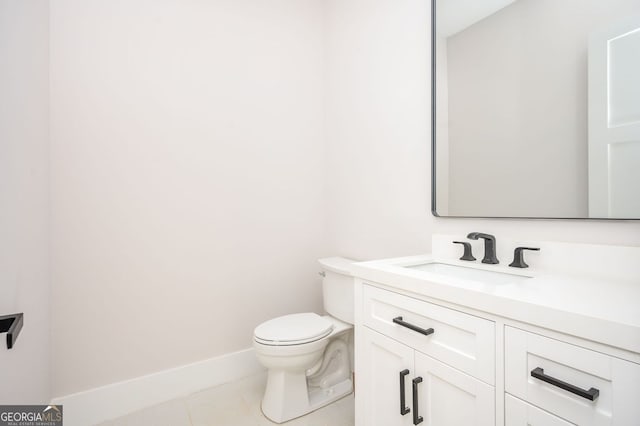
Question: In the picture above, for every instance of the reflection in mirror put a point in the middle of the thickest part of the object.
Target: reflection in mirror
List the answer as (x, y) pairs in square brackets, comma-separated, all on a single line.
[(537, 108)]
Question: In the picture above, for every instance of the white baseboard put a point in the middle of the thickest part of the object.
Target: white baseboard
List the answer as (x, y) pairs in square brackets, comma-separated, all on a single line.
[(118, 399)]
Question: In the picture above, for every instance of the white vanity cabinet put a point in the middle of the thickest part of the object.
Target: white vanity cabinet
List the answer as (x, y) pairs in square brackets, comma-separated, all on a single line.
[(419, 362), (555, 344), (403, 378)]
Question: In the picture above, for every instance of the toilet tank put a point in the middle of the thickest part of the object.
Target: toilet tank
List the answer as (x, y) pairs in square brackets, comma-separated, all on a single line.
[(337, 287)]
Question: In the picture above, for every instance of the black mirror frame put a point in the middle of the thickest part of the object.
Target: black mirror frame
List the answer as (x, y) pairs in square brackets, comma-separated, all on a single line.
[(433, 148)]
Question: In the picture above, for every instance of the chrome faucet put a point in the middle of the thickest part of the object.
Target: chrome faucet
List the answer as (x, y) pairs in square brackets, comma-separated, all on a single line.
[(489, 247)]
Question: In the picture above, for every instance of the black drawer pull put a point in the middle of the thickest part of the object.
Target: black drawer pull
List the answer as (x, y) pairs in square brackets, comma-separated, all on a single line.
[(591, 394), (425, 331), (403, 405), (417, 419)]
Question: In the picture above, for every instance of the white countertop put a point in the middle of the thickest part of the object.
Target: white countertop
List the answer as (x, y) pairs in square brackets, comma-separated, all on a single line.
[(602, 310)]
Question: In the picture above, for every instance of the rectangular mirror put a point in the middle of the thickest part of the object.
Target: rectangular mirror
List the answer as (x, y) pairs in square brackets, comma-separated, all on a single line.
[(536, 108)]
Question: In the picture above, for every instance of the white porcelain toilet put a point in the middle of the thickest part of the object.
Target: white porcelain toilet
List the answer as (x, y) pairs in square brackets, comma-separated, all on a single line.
[(308, 356)]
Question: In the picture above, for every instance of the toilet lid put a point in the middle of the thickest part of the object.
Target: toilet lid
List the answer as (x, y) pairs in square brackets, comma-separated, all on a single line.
[(293, 329)]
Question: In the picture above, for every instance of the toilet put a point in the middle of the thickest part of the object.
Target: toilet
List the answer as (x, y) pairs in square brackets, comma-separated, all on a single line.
[(309, 357)]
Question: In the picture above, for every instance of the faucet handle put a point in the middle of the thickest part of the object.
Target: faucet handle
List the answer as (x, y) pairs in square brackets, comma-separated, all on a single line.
[(518, 257), (467, 250)]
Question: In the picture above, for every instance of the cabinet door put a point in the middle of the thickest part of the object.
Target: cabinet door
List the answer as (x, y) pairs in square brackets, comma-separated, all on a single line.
[(448, 397), (381, 361)]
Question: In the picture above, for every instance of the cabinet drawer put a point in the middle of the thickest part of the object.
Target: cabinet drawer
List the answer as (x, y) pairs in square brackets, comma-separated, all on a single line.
[(463, 341), (519, 413), (568, 377)]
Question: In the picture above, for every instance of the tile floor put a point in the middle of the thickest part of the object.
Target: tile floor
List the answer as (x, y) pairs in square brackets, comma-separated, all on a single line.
[(232, 404)]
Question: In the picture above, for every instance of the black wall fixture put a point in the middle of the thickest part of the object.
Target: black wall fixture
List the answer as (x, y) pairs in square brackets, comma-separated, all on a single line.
[(11, 324)]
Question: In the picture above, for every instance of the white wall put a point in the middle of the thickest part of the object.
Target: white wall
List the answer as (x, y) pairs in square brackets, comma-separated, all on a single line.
[(378, 127), (378, 140), (24, 238), (187, 179)]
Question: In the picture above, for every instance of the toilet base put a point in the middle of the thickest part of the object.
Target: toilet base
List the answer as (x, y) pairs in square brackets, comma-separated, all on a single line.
[(321, 397), (299, 400)]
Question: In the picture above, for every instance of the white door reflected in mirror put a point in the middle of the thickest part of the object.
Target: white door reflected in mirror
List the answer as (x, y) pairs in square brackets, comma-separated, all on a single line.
[(614, 121)]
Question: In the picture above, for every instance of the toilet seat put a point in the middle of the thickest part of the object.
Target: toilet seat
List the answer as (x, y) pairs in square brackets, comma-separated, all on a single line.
[(294, 329)]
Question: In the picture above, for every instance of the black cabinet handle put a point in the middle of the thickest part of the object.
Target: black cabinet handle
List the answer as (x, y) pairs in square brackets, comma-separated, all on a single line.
[(425, 331), (591, 394), (403, 405), (417, 419)]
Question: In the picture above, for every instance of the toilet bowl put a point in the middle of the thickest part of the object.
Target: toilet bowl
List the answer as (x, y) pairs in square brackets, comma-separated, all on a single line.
[(309, 356)]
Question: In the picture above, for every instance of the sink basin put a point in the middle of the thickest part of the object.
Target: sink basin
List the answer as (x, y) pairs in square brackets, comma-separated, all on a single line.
[(471, 274)]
